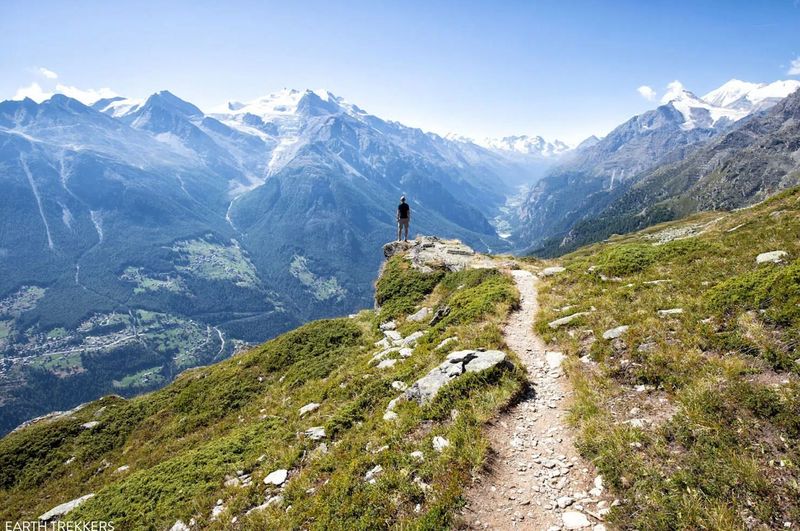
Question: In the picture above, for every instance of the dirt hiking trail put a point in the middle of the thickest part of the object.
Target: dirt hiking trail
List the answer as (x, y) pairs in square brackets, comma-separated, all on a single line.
[(534, 477)]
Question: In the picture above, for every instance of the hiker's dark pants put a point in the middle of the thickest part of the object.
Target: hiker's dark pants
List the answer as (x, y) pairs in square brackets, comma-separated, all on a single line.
[(402, 223)]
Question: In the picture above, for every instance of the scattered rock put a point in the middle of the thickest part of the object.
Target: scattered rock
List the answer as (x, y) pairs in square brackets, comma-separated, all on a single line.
[(574, 520), (392, 335), (383, 353), (411, 340), (90, 425), (277, 478), (405, 352), (418, 455), (397, 385), (373, 473), (646, 347), (60, 510), (440, 313), (179, 526), (308, 408), (554, 359), (316, 433), (274, 500), (679, 233), (446, 342), (774, 257), (614, 333), (123, 468), (420, 315), (383, 343), (598, 482), (440, 443), (565, 320), (388, 325), (390, 416), (564, 501), (550, 271), (387, 364), (671, 311)]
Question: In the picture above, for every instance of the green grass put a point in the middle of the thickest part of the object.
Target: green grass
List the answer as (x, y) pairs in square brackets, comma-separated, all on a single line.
[(242, 414), (721, 442), (321, 288), (214, 261), (59, 362), (145, 282), (143, 378), (401, 287), (22, 300)]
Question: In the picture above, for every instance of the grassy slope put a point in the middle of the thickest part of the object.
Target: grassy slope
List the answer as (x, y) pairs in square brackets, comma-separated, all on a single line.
[(720, 443), (242, 414)]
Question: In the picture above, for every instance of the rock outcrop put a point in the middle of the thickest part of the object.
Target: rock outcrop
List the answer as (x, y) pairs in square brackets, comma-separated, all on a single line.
[(427, 253), (457, 363), (60, 510)]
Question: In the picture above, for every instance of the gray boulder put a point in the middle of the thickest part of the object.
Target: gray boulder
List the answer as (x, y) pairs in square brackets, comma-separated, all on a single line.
[(550, 271), (772, 257), (456, 364), (565, 320), (316, 433), (60, 510), (411, 340), (614, 333), (440, 313), (277, 478), (420, 315), (308, 408), (392, 335)]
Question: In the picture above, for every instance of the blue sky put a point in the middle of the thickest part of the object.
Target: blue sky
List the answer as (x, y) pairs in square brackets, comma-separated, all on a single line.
[(562, 69)]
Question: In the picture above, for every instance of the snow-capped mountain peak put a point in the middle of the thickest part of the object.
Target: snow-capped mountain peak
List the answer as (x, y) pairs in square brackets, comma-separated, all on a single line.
[(730, 92), (697, 112), (117, 106), (751, 97), (527, 145), (516, 144)]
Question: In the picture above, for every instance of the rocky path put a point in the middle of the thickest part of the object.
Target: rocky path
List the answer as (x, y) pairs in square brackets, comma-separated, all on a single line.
[(535, 478)]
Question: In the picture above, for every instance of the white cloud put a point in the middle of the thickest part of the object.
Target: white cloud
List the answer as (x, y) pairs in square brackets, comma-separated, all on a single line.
[(85, 96), (794, 67), (647, 92), (35, 92), (46, 72), (674, 90), (32, 91)]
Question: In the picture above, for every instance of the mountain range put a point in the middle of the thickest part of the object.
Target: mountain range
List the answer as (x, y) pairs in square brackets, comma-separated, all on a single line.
[(587, 181), (144, 237)]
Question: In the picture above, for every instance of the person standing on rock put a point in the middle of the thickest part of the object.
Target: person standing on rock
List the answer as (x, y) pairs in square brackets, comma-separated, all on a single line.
[(403, 218)]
